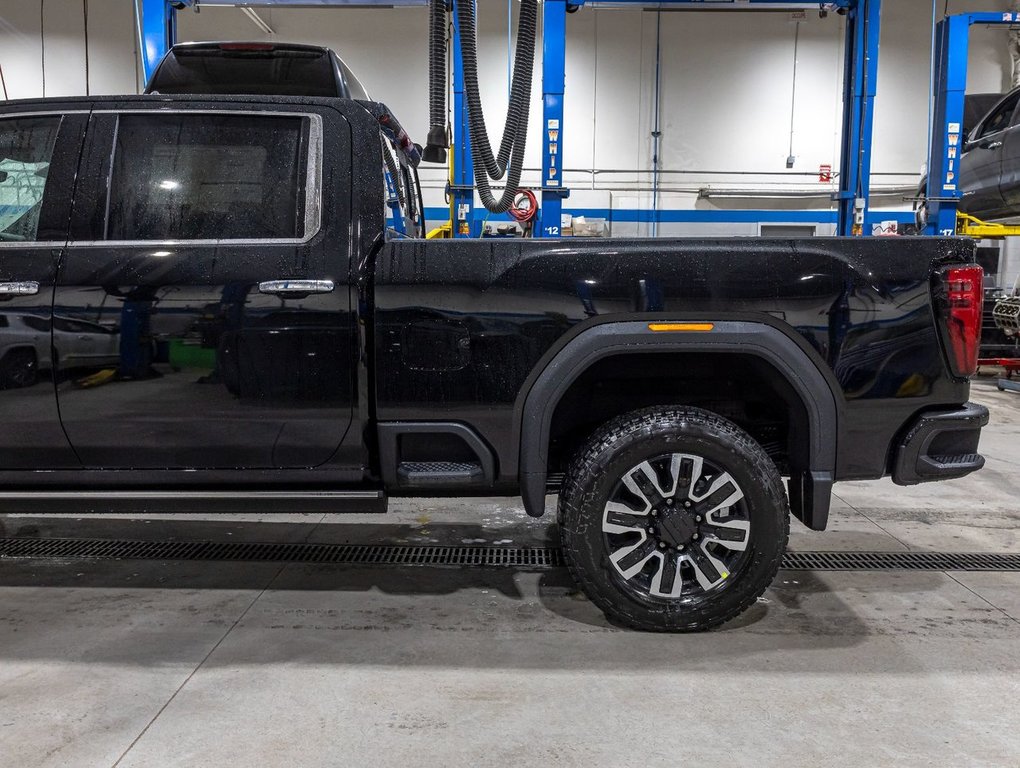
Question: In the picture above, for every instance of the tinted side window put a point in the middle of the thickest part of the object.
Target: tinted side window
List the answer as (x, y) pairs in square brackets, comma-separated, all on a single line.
[(1000, 118), (208, 177), (26, 149), (241, 68)]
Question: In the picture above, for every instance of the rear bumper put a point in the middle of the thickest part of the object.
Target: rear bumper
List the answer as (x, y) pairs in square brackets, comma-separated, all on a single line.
[(940, 445)]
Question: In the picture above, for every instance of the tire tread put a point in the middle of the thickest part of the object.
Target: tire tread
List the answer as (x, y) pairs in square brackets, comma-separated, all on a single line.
[(596, 452)]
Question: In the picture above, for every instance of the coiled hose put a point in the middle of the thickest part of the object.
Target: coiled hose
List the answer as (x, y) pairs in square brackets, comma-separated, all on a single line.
[(524, 210), (438, 141), (510, 159)]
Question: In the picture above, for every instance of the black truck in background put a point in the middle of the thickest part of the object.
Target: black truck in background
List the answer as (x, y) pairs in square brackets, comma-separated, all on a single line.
[(285, 342)]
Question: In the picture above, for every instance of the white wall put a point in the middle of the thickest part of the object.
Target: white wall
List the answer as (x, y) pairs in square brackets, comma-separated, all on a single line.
[(726, 78), (112, 53)]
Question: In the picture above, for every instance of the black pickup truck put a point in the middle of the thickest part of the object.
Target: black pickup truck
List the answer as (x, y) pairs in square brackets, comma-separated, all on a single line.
[(286, 340)]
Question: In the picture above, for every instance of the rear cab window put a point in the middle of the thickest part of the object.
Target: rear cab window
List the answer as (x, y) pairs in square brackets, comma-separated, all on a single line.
[(248, 68)]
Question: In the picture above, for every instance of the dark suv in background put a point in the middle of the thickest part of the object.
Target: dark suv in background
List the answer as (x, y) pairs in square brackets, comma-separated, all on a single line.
[(990, 163), (989, 175)]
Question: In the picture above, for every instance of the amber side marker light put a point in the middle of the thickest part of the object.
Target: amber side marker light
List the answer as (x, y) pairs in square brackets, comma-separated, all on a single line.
[(680, 327)]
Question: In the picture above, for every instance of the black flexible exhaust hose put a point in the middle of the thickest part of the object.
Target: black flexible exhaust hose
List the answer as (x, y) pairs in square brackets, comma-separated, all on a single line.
[(438, 141), (510, 160)]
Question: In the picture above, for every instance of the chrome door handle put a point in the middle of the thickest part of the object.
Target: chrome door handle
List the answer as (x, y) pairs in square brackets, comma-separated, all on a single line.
[(21, 288), (993, 145), (302, 287)]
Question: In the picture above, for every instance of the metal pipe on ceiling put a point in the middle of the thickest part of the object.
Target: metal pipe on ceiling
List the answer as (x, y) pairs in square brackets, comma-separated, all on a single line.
[(257, 20)]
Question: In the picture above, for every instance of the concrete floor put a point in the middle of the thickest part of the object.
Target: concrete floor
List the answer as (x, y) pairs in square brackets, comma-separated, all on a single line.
[(134, 663)]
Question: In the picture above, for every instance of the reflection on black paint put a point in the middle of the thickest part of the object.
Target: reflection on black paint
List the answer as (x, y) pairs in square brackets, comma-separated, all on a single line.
[(289, 356), (209, 375)]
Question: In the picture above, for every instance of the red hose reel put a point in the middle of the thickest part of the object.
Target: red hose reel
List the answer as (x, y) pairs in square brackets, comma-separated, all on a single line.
[(524, 209)]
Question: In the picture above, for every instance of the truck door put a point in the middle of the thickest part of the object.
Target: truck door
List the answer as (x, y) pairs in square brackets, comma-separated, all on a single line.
[(981, 164), (39, 154), (215, 243)]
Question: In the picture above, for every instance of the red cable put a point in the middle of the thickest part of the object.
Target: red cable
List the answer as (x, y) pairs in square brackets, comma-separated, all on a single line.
[(524, 214)]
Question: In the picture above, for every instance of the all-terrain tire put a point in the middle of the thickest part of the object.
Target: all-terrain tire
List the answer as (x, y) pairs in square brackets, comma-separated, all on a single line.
[(674, 443)]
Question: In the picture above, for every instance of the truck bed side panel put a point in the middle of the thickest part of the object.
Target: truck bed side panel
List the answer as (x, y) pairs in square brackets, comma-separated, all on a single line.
[(462, 327)]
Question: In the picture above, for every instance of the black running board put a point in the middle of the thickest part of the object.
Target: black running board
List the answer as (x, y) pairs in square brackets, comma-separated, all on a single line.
[(142, 501)]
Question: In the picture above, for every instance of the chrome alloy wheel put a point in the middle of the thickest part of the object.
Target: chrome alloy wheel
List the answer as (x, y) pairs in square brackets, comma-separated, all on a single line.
[(676, 526)]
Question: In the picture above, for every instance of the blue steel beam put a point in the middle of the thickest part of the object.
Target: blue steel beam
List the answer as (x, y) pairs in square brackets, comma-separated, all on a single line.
[(159, 30), (860, 80), (320, 3), (158, 33), (721, 5), (462, 188), (737, 4), (952, 40), (554, 54)]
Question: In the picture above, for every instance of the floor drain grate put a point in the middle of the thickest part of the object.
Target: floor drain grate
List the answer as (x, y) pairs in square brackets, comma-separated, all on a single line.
[(521, 557), (355, 554), (910, 561)]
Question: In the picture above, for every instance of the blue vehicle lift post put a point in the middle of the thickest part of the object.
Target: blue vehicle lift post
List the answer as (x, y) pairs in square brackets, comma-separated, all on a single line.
[(554, 47), (158, 30), (860, 80), (952, 41), (461, 189), (462, 185)]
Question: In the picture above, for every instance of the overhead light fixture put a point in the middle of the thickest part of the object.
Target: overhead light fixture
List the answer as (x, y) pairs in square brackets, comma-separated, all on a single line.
[(257, 20)]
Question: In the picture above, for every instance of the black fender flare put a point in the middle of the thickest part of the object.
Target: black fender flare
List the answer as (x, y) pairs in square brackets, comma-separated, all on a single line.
[(809, 493)]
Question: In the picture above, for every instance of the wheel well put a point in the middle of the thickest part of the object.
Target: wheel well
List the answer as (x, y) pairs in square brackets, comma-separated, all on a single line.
[(741, 387), (21, 348)]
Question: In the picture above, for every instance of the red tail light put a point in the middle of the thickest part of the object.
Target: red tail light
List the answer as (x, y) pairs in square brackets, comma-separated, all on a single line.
[(963, 308)]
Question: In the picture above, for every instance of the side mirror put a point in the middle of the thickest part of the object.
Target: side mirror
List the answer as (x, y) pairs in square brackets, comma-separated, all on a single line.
[(3, 176)]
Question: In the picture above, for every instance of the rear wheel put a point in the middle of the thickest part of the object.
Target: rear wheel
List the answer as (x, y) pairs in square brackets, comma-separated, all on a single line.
[(673, 519), (19, 368)]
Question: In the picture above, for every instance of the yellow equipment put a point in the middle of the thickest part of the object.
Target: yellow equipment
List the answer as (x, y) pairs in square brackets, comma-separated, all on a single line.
[(969, 226)]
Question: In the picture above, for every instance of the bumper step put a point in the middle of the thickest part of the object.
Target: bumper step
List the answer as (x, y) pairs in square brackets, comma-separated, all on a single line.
[(941, 445), (968, 459)]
